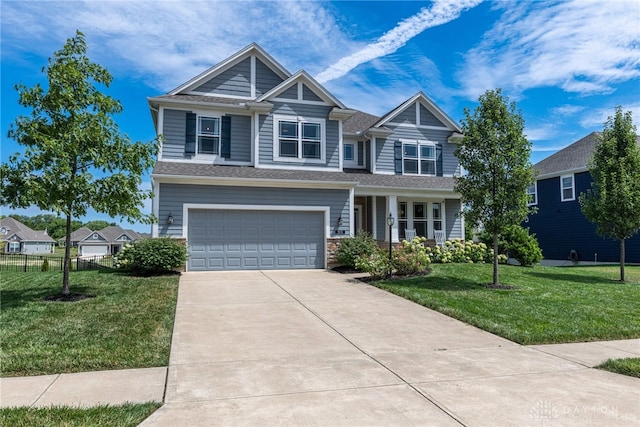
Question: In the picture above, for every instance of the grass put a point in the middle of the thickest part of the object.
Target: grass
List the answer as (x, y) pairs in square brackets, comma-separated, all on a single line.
[(548, 304), (629, 366), (106, 415), (128, 324)]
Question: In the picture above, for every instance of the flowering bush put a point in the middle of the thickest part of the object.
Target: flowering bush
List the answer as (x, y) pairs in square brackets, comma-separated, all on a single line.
[(463, 252), (376, 264), (411, 258)]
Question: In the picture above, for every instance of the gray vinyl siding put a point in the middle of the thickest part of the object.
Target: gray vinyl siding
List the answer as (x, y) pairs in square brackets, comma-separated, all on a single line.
[(173, 196), (174, 136), (428, 119), (332, 154), (30, 248), (291, 93), (174, 125), (234, 81), (408, 116), (309, 95), (384, 155), (452, 219), (266, 79), (450, 164), (240, 139), (381, 217)]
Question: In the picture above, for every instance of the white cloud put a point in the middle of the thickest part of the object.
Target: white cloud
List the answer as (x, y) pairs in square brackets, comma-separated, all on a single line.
[(580, 46), (597, 117), (566, 110), (441, 12)]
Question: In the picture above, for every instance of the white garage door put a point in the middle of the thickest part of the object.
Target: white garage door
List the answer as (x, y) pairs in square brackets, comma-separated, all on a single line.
[(94, 250), (255, 240)]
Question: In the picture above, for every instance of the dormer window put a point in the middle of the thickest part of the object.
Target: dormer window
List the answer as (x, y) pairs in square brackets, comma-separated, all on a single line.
[(299, 139)]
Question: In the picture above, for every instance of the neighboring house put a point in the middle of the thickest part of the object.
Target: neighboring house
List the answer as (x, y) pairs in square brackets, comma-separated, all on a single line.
[(76, 236), (264, 169), (17, 238), (563, 232), (108, 241)]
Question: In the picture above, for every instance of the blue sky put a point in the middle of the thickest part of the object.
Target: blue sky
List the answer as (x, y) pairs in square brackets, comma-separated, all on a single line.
[(567, 64)]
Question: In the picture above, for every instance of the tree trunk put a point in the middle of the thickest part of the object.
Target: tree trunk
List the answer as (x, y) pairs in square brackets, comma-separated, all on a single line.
[(495, 260), (622, 258), (67, 258)]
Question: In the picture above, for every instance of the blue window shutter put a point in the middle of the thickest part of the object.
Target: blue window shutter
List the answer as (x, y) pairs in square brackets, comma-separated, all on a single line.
[(439, 167), (190, 140), (397, 156), (360, 153), (225, 137)]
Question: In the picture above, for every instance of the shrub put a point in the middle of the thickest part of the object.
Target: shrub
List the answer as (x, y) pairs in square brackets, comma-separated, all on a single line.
[(411, 258), (351, 248), (517, 243), (376, 264), (45, 265), (152, 256)]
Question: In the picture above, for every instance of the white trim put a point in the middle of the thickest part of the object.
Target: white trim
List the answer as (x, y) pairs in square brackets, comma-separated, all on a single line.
[(313, 85), (299, 101), (155, 206), (252, 79), (392, 204), (535, 192), (340, 146), (412, 126), (363, 190), (374, 217), (300, 91), (252, 182), (573, 188), (359, 208), (218, 95), (285, 208), (351, 205), (418, 159), (561, 173), (160, 131), (255, 155), (213, 160), (428, 104), (293, 166), (417, 114), (373, 154)]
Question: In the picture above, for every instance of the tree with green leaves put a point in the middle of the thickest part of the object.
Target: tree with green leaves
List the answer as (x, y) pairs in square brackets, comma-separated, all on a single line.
[(613, 201), (75, 157), (494, 154)]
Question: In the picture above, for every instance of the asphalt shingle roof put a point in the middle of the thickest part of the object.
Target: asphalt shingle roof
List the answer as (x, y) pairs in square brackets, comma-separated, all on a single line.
[(359, 123), (358, 177), (23, 232)]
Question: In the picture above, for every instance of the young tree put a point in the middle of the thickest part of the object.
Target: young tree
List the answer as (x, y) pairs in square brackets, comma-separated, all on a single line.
[(495, 156), (75, 157), (613, 201)]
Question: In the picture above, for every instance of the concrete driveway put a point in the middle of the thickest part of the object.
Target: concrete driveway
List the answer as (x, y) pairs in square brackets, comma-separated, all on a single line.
[(269, 348)]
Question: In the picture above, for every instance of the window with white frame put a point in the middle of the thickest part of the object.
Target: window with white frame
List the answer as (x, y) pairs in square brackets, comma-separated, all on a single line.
[(532, 194), (14, 247), (437, 216), (420, 218), (567, 188), (419, 158), (402, 219), (208, 135), (349, 152), (299, 138)]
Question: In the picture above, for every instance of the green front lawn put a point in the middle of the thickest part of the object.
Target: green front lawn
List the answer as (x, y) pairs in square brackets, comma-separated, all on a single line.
[(125, 415), (548, 304), (128, 324), (629, 366)]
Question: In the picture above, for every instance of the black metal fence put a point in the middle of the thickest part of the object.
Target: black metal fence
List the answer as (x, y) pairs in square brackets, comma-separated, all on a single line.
[(25, 263)]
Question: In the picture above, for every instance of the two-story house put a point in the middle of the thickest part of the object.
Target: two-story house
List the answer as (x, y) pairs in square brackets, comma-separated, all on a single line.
[(263, 169), (564, 234)]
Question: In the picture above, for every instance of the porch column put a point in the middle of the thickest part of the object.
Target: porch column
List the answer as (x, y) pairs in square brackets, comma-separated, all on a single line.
[(392, 207), (374, 215)]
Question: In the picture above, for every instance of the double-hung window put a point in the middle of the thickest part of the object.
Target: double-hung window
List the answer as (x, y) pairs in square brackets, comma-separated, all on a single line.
[(437, 216), (567, 188), (419, 158), (532, 194), (299, 138), (420, 218), (14, 247), (208, 135), (402, 219)]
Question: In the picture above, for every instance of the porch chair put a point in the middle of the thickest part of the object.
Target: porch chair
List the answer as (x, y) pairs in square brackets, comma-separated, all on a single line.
[(438, 235), (409, 235)]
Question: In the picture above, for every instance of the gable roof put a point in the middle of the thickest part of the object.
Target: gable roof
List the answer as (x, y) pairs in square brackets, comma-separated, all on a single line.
[(22, 232), (242, 54), (310, 82), (573, 158), (111, 233), (428, 103), (359, 123), (80, 234)]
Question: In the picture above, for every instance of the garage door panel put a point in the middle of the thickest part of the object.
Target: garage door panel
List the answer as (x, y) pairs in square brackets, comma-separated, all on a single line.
[(255, 239)]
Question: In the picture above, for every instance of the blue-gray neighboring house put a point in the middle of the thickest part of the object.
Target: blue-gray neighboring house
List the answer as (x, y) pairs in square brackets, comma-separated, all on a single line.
[(264, 169), (17, 238), (564, 234)]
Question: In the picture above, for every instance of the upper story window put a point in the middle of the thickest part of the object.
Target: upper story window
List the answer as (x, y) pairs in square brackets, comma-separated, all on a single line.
[(299, 139), (419, 158), (208, 135), (532, 194), (567, 188), (349, 152)]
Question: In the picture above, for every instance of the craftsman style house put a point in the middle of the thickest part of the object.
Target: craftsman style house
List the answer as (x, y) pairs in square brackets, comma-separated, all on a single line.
[(264, 169), (564, 234), (17, 238)]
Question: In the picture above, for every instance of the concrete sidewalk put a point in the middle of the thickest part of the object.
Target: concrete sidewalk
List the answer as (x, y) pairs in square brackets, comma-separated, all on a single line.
[(314, 348)]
